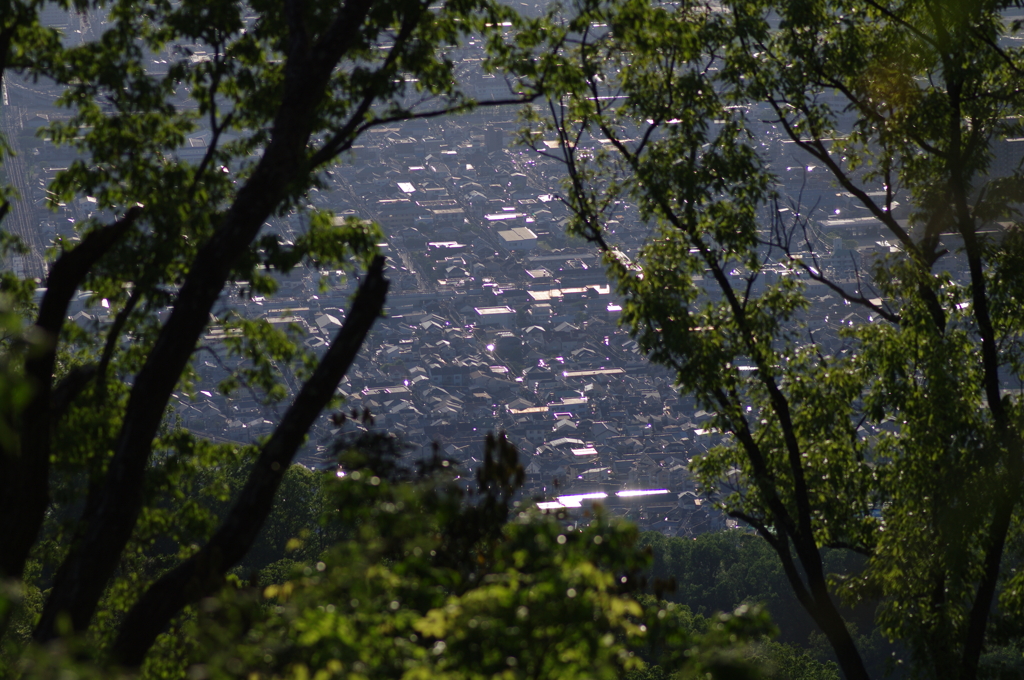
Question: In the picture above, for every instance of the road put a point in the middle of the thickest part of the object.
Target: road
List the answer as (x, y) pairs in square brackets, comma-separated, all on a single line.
[(20, 220)]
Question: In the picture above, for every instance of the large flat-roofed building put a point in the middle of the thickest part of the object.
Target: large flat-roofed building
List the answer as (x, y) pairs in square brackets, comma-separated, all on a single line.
[(495, 316), (518, 238)]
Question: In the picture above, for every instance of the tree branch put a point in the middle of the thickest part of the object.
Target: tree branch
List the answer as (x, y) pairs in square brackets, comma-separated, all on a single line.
[(24, 475), (203, 573), (110, 517), (113, 334)]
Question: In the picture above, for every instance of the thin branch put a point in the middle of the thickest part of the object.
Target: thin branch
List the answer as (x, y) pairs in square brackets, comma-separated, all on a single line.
[(843, 545), (816, 148), (892, 16), (816, 275), (113, 335), (1000, 52), (217, 127)]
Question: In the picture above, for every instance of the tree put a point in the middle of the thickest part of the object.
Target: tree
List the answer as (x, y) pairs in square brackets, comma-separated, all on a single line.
[(283, 89), (900, 438), (793, 664), (428, 580), (723, 570)]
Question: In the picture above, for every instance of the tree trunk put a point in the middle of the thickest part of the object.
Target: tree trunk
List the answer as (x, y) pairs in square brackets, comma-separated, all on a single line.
[(110, 516), (203, 573)]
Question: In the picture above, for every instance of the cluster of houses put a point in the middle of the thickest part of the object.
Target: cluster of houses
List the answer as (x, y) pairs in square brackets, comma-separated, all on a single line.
[(485, 332)]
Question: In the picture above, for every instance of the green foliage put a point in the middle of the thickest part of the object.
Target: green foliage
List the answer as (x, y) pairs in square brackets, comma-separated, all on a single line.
[(906, 447), (719, 572), (297, 529), (428, 581), (785, 662), (724, 570), (405, 594), (90, 452)]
